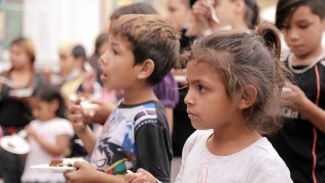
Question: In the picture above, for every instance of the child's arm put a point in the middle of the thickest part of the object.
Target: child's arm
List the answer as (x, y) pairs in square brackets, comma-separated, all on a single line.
[(140, 177), (82, 130), (86, 173), (307, 108), (57, 149)]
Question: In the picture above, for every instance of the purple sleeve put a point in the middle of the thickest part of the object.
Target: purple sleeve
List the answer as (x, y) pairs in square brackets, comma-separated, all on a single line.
[(167, 91)]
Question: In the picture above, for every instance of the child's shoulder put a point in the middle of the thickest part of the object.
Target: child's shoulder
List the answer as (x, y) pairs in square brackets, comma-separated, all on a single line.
[(147, 113), (267, 164)]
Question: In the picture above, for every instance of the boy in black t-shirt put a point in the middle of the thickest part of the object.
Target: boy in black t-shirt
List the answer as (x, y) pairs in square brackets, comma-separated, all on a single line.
[(301, 142), (141, 51)]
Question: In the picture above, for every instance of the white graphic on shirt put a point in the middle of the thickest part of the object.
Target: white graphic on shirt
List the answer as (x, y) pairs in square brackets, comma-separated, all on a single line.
[(203, 175)]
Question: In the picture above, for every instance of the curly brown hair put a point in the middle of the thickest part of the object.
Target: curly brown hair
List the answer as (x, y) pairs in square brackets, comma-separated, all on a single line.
[(247, 58)]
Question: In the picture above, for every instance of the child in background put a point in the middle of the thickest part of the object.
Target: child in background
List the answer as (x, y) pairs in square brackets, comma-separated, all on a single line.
[(301, 141), (15, 113), (142, 49), (49, 134), (232, 14), (235, 81), (100, 48)]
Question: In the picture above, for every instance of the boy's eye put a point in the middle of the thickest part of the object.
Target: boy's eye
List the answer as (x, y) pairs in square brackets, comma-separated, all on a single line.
[(303, 26), (285, 27)]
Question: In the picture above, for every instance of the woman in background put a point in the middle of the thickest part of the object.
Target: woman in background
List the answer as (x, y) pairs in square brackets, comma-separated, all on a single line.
[(14, 111)]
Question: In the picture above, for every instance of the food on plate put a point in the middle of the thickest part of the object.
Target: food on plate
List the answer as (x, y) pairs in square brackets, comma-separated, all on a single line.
[(65, 162)]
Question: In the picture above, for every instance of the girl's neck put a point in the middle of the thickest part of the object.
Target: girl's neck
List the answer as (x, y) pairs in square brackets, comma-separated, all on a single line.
[(231, 139), (240, 26)]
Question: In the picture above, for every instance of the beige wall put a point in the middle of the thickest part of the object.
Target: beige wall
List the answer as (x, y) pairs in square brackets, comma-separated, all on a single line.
[(266, 3)]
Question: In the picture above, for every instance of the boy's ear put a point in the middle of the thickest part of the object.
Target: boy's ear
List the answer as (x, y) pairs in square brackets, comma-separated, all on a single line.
[(146, 69), (247, 97)]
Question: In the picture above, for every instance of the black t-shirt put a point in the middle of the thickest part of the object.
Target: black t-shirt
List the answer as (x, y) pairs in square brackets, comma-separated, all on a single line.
[(135, 136), (182, 126), (295, 142), (14, 113)]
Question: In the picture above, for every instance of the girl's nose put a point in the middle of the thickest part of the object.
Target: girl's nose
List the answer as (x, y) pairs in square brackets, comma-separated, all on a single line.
[(188, 99)]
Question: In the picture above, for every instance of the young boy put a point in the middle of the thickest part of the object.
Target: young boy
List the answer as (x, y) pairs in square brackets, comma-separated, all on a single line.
[(142, 49), (72, 58), (300, 143)]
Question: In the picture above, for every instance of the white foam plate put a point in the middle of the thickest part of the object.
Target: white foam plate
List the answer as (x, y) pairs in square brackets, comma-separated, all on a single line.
[(79, 141), (88, 105), (45, 168), (22, 92), (286, 89), (180, 79), (21, 146)]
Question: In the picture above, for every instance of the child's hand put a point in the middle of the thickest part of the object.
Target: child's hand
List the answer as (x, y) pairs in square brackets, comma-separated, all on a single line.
[(201, 17), (31, 131), (47, 73), (297, 96), (85, 173), (141, 176), (101, 113), (76, 117)]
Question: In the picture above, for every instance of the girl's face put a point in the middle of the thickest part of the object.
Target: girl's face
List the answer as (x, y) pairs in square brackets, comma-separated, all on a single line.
[(102, 48), (19, 57), (225, 11), (208, 105), (43, 110), (303, 33), (178, 13)]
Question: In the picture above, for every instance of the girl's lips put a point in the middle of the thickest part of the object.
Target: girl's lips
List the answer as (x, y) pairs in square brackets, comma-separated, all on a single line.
[(191, 115)]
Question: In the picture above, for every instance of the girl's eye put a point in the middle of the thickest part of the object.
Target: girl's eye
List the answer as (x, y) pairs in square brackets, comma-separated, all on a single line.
[(115, 52), (202, 88)]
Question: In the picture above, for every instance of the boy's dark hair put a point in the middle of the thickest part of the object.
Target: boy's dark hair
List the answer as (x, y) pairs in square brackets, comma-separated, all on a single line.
[(286, 8), (49, 93), (252, 14), (101, 39), (137, 8), (247, 58), (79, 51), (150, 37)]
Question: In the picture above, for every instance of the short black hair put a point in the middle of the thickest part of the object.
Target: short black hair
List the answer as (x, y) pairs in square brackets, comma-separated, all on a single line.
[(286, 8), (79, 51), (48, 93)]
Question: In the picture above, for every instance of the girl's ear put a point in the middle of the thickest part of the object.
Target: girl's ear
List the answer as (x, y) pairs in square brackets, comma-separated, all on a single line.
[(146, 69), (247, 97), (54, 105)]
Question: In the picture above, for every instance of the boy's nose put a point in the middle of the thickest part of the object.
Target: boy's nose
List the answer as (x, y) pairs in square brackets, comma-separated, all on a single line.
[(293, 35)]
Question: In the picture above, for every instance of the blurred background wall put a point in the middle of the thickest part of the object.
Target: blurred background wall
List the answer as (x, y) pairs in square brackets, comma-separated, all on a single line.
[(49, 23)]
